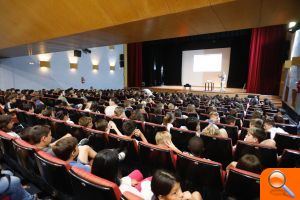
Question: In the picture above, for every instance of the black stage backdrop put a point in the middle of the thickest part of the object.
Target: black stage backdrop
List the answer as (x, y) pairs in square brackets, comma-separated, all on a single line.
[(167, 54)]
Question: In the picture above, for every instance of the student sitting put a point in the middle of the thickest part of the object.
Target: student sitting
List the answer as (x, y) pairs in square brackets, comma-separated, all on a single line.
[(213, 118), (113, 103), (192, 124), (269, 126), (213, 130), (106, 165), (166, 186), (258, 136), (168, 120), (247, 162), (7, 124), (63, 115), (86, 122), (120, 112), (130, 130), (68, 150), (164, 139)]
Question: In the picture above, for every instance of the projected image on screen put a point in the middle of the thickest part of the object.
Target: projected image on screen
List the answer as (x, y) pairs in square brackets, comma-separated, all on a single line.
[(207, 63)]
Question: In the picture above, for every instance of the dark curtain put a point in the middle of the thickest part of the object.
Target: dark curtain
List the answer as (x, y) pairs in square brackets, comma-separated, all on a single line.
[(167, 54), (135, 70), (266, 59)]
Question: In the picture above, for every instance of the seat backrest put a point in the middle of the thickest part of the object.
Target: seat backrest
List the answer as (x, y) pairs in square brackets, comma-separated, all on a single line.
[(289, 128), (98, 140), (77, 131), (179, 122), (150, 131), (290, 158), (181, 137), (242, 184), (218, 149), (25, 155), (286, 141), (203, 124), (154, 157), (6, 145), (124, 142), (88, 186), (204, 116), (197, 173), (54, 171), (246, 123), (267, 155), (243, 133), (232, 132), (58, 128)]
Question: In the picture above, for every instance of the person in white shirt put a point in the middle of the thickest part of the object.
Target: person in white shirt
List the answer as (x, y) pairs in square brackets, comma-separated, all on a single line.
[(110, 110), (148, 92), (269, 127)]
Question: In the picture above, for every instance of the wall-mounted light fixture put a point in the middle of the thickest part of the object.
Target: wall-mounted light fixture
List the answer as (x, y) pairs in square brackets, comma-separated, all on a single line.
[(73, 66), (45, 64), (95, 67)]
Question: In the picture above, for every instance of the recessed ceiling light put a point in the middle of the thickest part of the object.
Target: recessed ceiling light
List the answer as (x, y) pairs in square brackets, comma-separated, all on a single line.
[(31, 63), (292, 24)]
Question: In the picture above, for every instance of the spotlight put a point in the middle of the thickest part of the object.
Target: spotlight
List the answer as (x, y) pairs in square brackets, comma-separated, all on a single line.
[(292, 24)]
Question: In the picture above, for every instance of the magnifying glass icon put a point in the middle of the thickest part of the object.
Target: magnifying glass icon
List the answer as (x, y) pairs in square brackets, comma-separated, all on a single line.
[(277, 180)]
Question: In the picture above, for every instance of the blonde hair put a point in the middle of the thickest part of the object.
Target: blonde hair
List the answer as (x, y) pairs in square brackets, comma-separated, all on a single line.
[(212, 130), (84, 121), (162, 136)]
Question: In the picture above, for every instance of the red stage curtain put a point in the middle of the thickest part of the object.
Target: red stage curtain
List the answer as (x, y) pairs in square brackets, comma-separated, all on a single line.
[(266, 59), (135, 61)]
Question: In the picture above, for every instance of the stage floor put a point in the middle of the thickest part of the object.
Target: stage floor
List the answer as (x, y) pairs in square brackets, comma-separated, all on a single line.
[(200, 90)]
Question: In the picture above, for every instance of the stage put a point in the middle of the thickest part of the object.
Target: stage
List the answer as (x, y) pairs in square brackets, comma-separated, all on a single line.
[(201, 90)]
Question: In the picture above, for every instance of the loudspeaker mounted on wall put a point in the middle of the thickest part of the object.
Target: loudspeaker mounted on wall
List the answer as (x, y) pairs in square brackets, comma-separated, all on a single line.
[(77, 53)]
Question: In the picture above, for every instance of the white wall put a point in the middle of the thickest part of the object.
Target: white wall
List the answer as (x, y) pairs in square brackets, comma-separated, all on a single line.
[(18, 73)]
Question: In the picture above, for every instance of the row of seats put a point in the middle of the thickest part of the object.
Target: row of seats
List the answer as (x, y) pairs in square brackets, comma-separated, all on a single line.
[(64, 180)]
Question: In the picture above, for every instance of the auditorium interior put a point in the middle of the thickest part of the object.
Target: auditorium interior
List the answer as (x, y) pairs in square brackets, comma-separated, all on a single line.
[(149, 99)]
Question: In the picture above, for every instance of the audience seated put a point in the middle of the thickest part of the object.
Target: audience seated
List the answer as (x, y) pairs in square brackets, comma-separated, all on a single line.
[(64, 116), (196, 147), (213, 117), (247, 162), (192, 124), (168, 120), (86, 122), (6, 125), (113, 103)]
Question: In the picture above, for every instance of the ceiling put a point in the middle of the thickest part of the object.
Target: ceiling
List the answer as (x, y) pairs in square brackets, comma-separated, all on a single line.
[(33, 26)]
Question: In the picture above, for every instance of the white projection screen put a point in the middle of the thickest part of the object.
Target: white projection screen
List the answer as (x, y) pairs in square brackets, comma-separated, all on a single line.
[(203, 65)]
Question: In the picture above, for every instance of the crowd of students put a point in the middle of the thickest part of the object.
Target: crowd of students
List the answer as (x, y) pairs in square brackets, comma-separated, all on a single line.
[(105, 163)]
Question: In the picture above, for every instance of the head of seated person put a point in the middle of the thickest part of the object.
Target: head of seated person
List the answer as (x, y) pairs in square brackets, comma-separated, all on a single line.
[(196, 146), (278, 119), (86, 122), (137, 115), (47, 112), (119, 112), (191, 108), (28, 107), (213, 130), (257, 115), (214, 117), (6, 123), (171, 106), (255, 135), (268, 124), (128, 127), (106, 165), (168, 118), (160, 106), (163, 137), (211, 109), (62, 115), (256, 123), (193, 124), (233, 112), (66, 149), (127, 104), (178, 113), (249, 163), (157, 110), (88, 105), (40, 136), (101, 125), (113, 101), (230, 120)]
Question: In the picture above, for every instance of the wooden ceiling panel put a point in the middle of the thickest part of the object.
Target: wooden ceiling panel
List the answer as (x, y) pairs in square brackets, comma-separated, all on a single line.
[(238, 14), (280, 12)]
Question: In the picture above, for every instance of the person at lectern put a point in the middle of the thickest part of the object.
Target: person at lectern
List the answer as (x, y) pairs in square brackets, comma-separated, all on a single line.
[(222, 80)]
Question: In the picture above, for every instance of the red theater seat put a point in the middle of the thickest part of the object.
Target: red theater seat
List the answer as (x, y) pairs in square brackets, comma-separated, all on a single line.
[(150, 131), (198, 173), (55, 172), (286, 141), (181, 137), (242, 184), (290, 158)]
